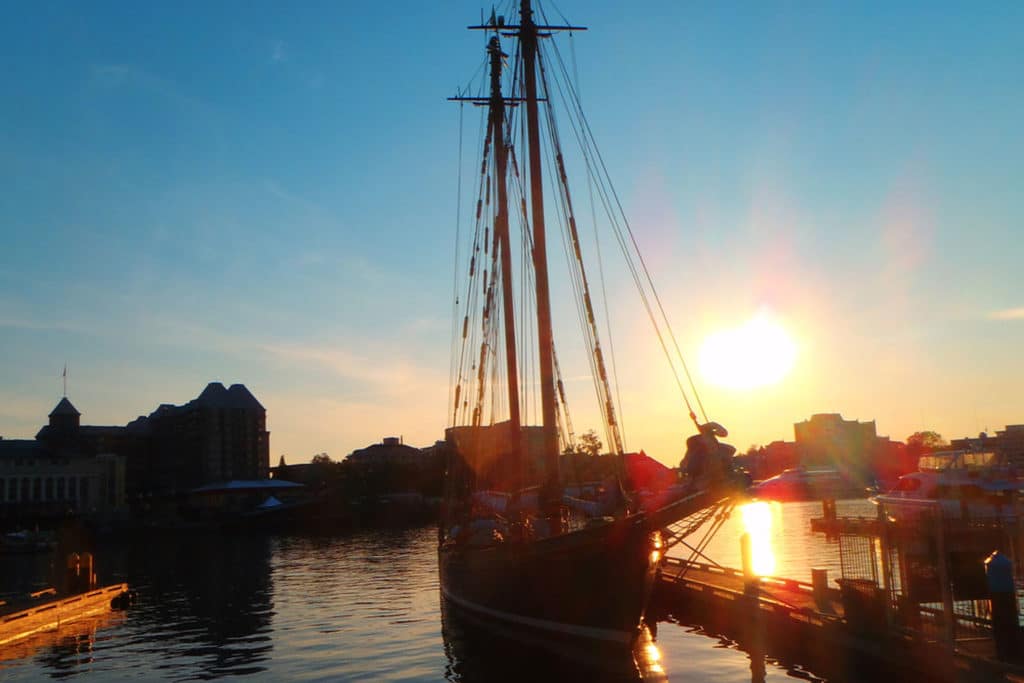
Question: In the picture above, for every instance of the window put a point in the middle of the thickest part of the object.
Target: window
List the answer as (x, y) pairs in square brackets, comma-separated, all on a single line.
[(85, 490), (60, 488), (3, 490), (37, 488), (25, 488), (12, 489), (49, 488), (72, 488)]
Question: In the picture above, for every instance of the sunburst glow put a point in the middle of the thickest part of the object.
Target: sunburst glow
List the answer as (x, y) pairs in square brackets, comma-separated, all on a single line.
[(757, 521), (757, 353)]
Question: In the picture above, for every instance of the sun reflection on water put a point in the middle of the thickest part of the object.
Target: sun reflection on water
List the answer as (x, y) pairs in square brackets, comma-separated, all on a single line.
[(757, 522)]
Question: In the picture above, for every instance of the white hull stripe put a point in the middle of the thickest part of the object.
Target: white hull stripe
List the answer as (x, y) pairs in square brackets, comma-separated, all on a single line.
[(570, 629)]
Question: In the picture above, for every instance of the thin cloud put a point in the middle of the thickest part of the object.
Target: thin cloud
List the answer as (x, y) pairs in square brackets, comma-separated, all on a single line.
[(116, 76), (396, 376), (42, 325), (278, 51), (1008, 314)]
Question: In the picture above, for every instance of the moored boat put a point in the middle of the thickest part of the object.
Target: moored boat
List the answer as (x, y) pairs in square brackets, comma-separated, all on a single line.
[(956, 485), (516, 545), (803, 483)]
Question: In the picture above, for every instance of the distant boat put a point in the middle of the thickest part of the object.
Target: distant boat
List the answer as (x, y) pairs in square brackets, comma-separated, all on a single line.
[(802, 483), (515, 547), (956, 484)]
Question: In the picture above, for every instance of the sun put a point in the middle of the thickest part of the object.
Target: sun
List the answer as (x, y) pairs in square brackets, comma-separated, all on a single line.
[(758, 353)]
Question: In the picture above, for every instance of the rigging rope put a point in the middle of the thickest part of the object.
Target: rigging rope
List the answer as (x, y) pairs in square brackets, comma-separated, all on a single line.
[(610, 197), (578, 270), (452, 382), (479, 324)]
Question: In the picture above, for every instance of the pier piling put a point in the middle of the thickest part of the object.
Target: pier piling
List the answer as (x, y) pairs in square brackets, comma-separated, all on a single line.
[(1003, 598)]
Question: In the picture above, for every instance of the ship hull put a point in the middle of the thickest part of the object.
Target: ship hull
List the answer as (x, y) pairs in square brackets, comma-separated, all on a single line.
[(591, 584)]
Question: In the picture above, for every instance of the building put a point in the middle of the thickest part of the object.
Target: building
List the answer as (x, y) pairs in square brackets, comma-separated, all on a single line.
[(390, 451), (827, 440), (220, 435), (66, 469), (1008, 442)]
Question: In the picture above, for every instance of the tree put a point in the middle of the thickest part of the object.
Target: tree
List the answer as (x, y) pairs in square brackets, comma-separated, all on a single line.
[(589, 444), (321, 459), (925, 442)]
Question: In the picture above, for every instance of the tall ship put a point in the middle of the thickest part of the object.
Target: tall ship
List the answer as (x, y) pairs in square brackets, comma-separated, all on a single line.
[(522, 544)]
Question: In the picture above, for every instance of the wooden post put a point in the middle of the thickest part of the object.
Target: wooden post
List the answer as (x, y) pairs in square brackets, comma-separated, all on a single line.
[(819, 583), (942, 563), (751, 582), (828, 509), (884, 549)]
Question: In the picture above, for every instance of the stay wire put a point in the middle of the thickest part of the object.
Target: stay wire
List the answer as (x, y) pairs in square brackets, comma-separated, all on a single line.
[(588, 134)]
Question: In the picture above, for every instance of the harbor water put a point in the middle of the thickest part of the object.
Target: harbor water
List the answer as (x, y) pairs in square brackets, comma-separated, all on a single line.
[(362, 605)]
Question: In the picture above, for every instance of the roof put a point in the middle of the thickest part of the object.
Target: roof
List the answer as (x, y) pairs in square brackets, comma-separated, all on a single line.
[(214, 395), (242, 398), (64, 407), (236, 396), (247, 485), (20, 448), (382, 449)]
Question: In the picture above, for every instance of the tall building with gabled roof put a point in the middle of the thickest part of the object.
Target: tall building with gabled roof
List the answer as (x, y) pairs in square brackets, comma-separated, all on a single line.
[(218, 436)]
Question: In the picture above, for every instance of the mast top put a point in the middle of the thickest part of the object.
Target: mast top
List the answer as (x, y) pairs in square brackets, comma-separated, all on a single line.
[(497, 24)]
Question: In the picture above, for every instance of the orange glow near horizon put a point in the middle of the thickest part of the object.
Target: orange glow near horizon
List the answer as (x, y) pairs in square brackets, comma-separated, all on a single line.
[(757, 521), (757, 353)]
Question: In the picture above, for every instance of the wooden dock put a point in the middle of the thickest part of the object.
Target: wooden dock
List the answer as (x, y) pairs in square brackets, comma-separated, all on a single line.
[(45, 611), (791, 621), (782, 596)]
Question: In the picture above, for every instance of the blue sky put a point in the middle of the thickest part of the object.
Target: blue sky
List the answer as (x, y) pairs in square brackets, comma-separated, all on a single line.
[(260, 193)]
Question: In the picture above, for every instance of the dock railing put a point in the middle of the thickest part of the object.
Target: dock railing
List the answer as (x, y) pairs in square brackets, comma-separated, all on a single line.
[(925, 568)]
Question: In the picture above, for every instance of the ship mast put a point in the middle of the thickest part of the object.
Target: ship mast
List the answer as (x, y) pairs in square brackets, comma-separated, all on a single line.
[(501, 231), (528, 41)]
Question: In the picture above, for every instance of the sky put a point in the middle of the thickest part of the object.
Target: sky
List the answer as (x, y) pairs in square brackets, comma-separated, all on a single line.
[(266, 193)]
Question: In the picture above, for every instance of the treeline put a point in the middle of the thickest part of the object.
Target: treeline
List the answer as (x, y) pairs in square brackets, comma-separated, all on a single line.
[(353, 481)]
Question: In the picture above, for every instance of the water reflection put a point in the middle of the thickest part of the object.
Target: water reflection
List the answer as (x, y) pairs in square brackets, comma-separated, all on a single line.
[(757, 522), (66, 649), (479, 650), (205, 606), (209, 602), (364, 605), (765, 659)]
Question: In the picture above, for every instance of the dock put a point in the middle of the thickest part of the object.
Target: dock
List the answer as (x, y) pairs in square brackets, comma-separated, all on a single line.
[(46, 611), (821, 626)]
